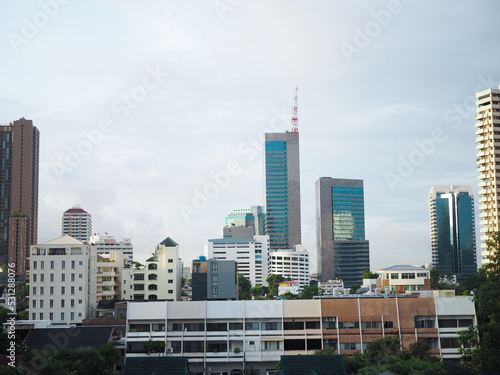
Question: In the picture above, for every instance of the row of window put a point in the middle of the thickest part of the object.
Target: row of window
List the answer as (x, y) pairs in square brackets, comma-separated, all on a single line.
[(35, 277), (51, 303), (41, 290), (51, 316), (52, 264)]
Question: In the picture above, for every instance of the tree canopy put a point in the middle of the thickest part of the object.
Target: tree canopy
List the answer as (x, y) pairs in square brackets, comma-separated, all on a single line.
[(244, 286), (273, 282), (308, 292), (370, 275)]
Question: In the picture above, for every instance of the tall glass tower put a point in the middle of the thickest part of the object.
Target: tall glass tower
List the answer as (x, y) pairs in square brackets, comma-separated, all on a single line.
[(453, 233), (343, 252), (282, 190)]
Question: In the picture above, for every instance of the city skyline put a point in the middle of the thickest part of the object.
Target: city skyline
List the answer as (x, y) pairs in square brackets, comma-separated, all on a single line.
[(156, 124)]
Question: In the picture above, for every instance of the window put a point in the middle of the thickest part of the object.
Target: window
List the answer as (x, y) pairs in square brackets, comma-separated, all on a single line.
[(138, 276), (408, 275), (235, 326), (193, 346), (51, 316), (72, 290), (421, 274), (330, 344), (170, 261), (293, 326), (329, 323), (447, 323), (170, 291), (42, 264), (271, 345), (41, 316), (41, 290), (80, 276), (425, 322), (313, 325), (298, 344), (33, 316), (371, 325), (63, 277), (152, 266), (51, 277), (34, 303), (63, 290), (271, 326), (62, 316), (394, 276), (152, 287), (170, 270), (350, 346), (34, 277), (138, 286), (62, 303), (63, 264), (252, 326), (464, 322), (80, 263), (215, 291), (72, 316), (197, 327), (348, 325), (34, 267), (80, 288), (52, 265), (72, 277), (42, 278), (158, 327), (72, 264), (51, 303), (80, 301), (449, 343), (214, 278), (34, 291), (139, 328), (216, 326), (153, 276), (388, 324), (170, 281)]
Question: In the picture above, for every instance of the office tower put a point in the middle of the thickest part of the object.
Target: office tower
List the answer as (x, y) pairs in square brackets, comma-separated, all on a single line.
[(292, 264), (488, 164), (251, 255), (63, 281), (159, 278), (453, 232), (282, 190), (106, 243), (247, 216), (19, 193), (77, 223), (343, 252)]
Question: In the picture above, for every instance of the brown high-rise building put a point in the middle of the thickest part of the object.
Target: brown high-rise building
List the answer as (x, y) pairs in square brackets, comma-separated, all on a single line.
[(19, 148)]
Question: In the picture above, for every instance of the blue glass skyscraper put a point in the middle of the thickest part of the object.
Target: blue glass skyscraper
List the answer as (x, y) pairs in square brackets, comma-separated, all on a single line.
[(453, 233), (282, 190), (343, 252)]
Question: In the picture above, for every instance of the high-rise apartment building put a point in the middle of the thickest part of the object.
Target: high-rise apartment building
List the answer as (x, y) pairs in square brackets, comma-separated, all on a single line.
[(282, 176), (251, 255), (291, 264), (247, 216), (19, 193), (63, 281), (488, 163), (77, 223), (453, 232), (343, 252)]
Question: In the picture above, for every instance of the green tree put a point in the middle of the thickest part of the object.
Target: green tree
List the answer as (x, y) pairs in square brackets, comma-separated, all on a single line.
[(354, 288), (273, 282), (244, 286), (257, 291), (308, 292), (369, 275), (155, 346), (289, 295)]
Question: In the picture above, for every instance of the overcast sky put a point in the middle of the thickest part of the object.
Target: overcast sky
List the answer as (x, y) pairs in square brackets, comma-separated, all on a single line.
[(143, 107)]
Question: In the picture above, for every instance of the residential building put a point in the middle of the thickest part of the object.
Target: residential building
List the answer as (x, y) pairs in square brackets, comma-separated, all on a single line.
[(282, 176), (109, 275), (288, 287), (487, 145), (63, 281), (214, 279), (19, 194), (332, 287), (247, 216), (106, 243), (77, 223), (453, 230), (292, 264), (250, 255), (231, 336), (402, 278), (343, 251), (159, 278)]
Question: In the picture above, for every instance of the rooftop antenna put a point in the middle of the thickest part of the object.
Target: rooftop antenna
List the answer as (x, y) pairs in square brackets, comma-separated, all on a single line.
[(295, 111)]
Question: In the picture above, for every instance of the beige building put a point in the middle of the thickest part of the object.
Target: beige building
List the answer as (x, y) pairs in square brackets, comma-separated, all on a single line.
[(109, 271), (402, 279), (488, 163), (159, 278)]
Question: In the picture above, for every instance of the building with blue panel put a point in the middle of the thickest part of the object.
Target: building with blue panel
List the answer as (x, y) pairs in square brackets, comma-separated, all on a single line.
[(453, 233), (282, 190), (343, 252)]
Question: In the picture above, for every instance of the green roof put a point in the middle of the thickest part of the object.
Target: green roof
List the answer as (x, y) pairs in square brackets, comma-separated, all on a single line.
[(153, 365), (327, 364), (168, 242)]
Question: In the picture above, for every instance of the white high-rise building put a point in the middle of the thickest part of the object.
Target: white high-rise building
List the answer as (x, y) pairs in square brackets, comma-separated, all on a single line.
[(77, 223), (63, 281), (159, 278), (293, 264), (488, 163), (105, 244), (250, 254), (109, 275)]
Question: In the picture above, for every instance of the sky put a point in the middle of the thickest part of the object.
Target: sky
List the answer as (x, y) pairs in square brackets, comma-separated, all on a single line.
[(152, 114)]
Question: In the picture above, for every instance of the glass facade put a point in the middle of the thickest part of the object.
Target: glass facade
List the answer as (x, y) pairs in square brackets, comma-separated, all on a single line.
[(453, 237), (348, 213)]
